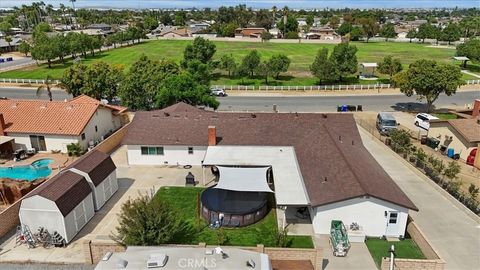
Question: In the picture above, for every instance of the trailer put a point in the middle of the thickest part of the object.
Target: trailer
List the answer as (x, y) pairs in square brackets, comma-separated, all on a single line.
[(339, 238)]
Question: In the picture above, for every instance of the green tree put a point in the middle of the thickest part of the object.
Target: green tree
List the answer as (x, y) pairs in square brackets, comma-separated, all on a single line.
[(428, 79), (73, 79), (184, 87), (356, 33), (290, 27), (228, 63), (143, 81), (46, 87), (150, 23), (264, 70), (425, 30), (263, 19), (388, 31), (9, 40), (412, 33), (146, 221), (470, 49), (370, 27), (201, 50), (323, 68), (451, 33), (180, 18), (390, 66), (452, 170), (45, 48), (266, 36), (166, 19), (102, 81), (24, 47), (278, 63), (5, 27), (200, 72), (334, 21), (345, 59), (344, 29), (251, 61), (310, 20)]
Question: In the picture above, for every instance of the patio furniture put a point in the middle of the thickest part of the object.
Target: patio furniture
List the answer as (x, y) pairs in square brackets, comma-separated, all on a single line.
[(190, 179)]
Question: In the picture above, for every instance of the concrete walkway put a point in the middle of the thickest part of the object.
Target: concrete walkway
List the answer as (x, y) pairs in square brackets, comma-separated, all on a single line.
[(358, 256), (450, 230), (471, 73)]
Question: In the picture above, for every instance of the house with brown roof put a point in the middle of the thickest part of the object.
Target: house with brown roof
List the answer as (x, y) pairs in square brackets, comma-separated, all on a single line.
[(66, 202), (52, 125), (250, 32), (462, 135), (317, 161)]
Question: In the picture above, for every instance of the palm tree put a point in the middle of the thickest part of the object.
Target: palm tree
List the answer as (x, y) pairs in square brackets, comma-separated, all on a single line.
[(274, 13), (73, 6), (8, 39), (47, 86)]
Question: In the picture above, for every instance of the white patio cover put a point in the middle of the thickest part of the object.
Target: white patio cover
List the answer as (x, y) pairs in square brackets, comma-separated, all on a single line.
[(287, 178), (243, 179), (369, 65)]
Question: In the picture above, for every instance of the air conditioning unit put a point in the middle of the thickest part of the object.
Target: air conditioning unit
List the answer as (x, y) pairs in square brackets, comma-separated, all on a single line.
[(157, 260)]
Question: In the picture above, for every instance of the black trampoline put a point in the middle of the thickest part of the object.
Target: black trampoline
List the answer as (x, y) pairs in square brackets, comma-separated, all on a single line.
[(237, 207)]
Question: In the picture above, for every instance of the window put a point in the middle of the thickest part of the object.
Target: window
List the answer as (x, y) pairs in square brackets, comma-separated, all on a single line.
[(96, 129), (190, 150), (393, 218), (151, 151), (38, 142), (83, 136)]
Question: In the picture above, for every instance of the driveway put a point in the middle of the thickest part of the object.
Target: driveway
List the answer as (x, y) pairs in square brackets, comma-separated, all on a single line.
[(358, 256), (450, 230)]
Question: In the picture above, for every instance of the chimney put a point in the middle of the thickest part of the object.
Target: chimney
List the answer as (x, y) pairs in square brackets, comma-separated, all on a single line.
[(212, 135), (476, 108), (2, 125)]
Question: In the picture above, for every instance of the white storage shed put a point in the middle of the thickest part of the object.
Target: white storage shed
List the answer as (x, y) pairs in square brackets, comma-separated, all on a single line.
[(63, 204), (100, 172)]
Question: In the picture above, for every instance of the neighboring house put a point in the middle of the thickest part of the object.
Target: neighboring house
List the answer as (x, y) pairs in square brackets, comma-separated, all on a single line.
[(100, 26), (13, 46), (318, 161), (175, 33), (52, 125), (66, 202), (463, 135), (250, 32), (325, 33)]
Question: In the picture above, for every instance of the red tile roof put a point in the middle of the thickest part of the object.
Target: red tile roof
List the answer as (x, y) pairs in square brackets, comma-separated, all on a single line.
[(328, 146), (50, 117)]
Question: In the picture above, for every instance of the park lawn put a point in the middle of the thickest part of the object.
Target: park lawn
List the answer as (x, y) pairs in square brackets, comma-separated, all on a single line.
[(184, 199), (406, 249), (302, 55)]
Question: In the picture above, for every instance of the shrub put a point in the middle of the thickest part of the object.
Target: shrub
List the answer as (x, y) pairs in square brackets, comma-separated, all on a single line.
[(75, 149), (401, 138), (146, 222), (452, 170), (282, 239)]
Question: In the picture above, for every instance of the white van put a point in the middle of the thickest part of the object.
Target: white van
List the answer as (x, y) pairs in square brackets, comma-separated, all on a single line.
[(423, 120)]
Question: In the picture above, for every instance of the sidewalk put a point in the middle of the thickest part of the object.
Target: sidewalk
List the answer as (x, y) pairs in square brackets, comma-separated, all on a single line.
[(448, 227)]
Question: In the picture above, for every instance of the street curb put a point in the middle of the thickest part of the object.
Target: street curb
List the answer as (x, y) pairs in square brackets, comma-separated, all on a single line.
[(444, 193)]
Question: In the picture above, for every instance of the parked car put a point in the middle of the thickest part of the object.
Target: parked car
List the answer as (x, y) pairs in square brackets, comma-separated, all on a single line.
[(471, 157), (386, 122), (219, 92), (423, 120)]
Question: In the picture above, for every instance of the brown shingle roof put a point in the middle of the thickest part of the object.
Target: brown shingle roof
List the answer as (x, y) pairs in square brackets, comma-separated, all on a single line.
[(327, 146), (96, 164), (469, 128), (292, 264), (67, 189), (50, 117)]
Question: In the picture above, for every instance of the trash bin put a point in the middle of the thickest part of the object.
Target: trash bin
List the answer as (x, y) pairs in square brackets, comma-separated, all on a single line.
[(450, 152), (344, 108), (423, 139), (359, 108), (352, 108), (339, 108), (388, 141)]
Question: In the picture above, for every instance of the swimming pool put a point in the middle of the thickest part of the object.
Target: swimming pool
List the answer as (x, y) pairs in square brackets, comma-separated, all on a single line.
[(38, 169)]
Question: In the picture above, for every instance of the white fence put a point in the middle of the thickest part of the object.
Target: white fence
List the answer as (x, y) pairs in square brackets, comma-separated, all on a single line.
[(25, 81), (473, 81), (304, 87)]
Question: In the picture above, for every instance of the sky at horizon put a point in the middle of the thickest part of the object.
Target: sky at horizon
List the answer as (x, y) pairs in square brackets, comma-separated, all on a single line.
[(307, 4)]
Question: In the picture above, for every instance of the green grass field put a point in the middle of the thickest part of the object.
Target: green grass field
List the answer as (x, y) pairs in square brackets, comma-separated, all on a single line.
[(302, 56), (406, 249), (263, 232)]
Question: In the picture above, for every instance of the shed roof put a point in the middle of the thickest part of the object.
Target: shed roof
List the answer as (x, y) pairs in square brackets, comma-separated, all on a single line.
[(96, 164), (461, 58), (67, 190), (335, 165), (369, 65)]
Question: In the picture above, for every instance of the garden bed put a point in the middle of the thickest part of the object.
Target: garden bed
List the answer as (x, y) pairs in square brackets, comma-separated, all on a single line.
[(406, 249), (185, 200)]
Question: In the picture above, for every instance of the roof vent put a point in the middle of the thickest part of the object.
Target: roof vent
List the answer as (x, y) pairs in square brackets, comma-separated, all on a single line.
[(157, 260), (166, 114), (14, 105), (69, 106), (254, 115), (43, 106), (324, 115), (340, 138)]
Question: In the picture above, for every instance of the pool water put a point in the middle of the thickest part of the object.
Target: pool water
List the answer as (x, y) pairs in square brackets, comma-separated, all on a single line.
[(38, 169)]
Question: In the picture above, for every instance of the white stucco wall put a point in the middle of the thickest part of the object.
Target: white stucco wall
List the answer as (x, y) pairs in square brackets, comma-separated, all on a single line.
[(442, 130), (52, 142), (105, 122), (368, 213), (173, 154), (37, 211)]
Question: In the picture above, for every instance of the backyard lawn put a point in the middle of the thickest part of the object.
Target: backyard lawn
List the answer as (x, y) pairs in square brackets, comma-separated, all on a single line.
[(445, 116), (406, 249), (184, 199), (302, 56)]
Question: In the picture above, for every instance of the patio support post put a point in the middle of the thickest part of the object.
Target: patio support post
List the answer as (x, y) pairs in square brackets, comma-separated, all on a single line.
[(203, 172)]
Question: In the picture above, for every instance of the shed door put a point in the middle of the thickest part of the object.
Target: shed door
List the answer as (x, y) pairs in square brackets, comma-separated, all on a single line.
[(80, 216), (392, 224)]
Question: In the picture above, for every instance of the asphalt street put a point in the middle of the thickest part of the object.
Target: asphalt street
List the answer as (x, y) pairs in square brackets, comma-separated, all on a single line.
[(398, 102)]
